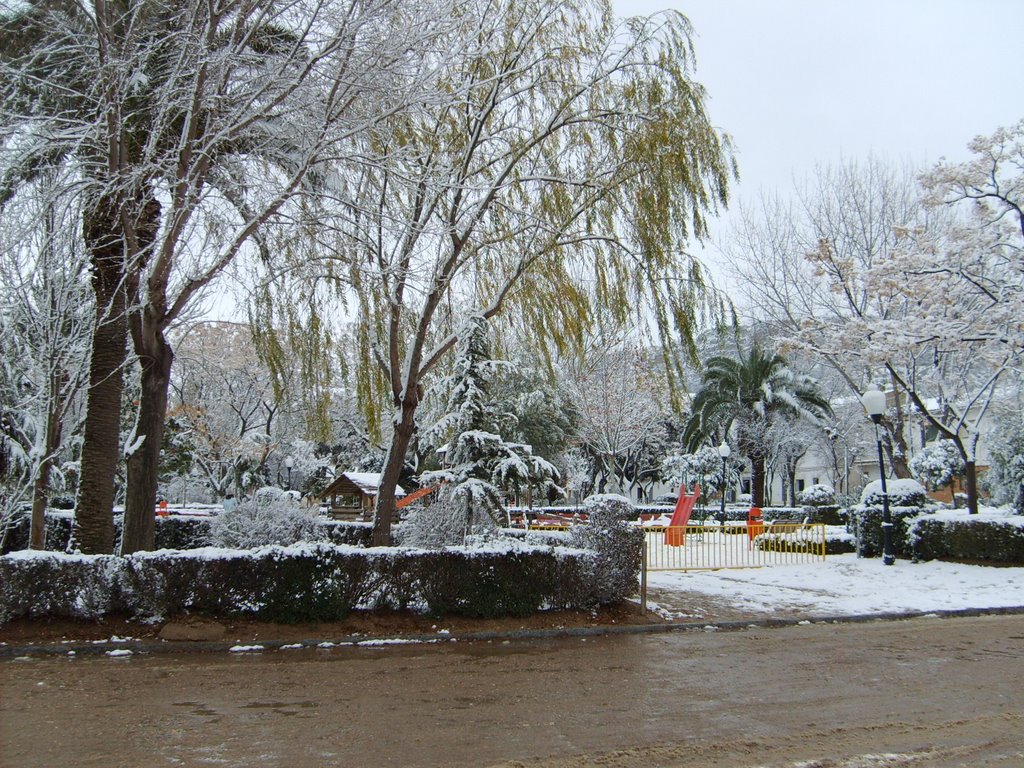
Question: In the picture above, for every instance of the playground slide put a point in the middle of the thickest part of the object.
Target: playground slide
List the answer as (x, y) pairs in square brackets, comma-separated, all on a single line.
[(675, 535)]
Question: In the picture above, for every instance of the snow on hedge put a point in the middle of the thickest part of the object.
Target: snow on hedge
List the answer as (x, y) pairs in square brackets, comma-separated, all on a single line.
[(317, 580)]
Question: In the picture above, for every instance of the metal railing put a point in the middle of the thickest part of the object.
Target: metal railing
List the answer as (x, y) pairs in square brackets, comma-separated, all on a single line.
[(733, 545)]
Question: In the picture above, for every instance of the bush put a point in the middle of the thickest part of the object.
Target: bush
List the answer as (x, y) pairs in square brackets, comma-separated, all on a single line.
[(865, 523), (902, 493), (818, 496), (308, 582), (271, 516), (943, 537), (441, 524), (65, 586), (618, 547)]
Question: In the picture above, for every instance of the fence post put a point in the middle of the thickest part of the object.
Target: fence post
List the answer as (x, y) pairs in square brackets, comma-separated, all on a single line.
[(643, 574)]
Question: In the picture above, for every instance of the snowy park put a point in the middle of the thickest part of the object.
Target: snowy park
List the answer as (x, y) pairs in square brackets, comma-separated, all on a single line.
[(844, 585)]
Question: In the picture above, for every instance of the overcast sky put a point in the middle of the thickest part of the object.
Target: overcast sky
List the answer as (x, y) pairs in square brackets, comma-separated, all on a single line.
[(800, 83)]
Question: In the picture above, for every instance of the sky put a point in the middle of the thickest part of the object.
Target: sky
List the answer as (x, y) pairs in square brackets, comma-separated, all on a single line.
[(803, 83)]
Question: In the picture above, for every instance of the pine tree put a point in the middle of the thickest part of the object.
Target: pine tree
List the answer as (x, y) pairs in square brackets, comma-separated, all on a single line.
[(478, 462)]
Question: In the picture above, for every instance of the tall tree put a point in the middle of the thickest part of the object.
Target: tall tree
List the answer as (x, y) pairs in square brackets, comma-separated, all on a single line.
[(742, 395), (804, 268), (960, 334), (190, 125), (562, 161), (45, 314)]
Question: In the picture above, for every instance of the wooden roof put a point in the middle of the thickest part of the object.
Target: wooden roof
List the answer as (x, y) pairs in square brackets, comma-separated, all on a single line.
[(357, 484)]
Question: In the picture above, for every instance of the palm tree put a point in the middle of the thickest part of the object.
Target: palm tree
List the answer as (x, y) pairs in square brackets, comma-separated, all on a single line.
[(744, 395)]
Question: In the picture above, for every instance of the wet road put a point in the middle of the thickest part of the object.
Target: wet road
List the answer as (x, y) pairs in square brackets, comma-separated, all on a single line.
[(928, 692)]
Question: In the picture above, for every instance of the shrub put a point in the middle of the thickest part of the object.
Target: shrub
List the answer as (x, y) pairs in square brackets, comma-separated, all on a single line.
[(441, 524), (942, 537), (618, 547), (818, 495), (902, 493), (52, 584), (609, 508), (307, 582), (271, 516), (865, 523)]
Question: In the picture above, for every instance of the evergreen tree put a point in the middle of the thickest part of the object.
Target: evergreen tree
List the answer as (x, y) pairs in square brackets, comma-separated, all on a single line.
[(478, 463)]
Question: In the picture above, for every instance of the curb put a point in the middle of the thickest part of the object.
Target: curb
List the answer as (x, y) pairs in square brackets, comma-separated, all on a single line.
[(10, 653)]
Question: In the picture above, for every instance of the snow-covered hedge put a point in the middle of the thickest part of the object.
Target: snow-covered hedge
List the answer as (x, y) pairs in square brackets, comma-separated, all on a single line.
[(308, 582), (617, 545), (837, 540), (865, 523), (993, 536), (902, 493)]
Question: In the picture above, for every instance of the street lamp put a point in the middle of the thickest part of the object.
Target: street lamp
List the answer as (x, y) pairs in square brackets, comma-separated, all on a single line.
[(874, 404), (723, 451), (289, 462)]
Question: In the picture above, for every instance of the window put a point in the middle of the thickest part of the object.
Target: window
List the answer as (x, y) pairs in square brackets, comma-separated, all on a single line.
[(800, 485)]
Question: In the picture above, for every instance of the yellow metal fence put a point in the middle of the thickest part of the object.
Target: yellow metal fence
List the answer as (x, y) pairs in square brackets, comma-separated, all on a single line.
[(698, 547)]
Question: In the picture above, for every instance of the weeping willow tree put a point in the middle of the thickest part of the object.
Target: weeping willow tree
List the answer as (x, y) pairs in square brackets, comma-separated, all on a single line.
[(561, 162)]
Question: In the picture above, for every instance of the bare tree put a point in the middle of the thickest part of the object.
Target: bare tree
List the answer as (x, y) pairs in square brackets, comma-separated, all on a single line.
[(45, 318), (804, 266)]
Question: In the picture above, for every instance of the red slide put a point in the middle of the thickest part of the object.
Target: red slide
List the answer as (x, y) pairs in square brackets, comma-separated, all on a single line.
[(675, 535)]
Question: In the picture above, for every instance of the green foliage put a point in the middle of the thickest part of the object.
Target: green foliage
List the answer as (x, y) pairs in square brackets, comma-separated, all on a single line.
[(990, 541), (865, 523), (746, 392), (323, 582)]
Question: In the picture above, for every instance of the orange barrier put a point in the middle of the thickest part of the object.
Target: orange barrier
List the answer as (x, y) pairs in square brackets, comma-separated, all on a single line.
[(755, 523)]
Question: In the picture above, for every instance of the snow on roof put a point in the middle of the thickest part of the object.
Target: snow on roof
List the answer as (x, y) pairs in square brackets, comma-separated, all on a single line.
[(369, 482)]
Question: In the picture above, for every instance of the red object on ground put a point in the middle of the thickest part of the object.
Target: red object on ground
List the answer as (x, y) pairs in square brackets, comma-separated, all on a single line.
[(755, 524), (162, 509), (675, 535), (417, 494)]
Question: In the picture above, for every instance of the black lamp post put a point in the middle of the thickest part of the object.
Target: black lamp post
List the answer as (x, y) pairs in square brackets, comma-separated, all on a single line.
[(874, 404), (289, 462), (723, 451)]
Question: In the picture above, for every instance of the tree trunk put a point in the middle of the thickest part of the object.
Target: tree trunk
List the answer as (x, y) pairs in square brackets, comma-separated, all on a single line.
[(757, 481), (385, 510), (971, 482), (94, 509), (156, 357)]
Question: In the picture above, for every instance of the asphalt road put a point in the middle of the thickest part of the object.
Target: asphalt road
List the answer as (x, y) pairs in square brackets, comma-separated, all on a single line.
[(924, 692)]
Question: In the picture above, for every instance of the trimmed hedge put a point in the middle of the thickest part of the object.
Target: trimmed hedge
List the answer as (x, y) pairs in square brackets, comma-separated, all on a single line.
[(865, 523), (993, 541), (313, 582)]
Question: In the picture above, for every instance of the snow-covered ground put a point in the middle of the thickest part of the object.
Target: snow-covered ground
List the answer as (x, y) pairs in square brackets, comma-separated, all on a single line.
[(845, 585)]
